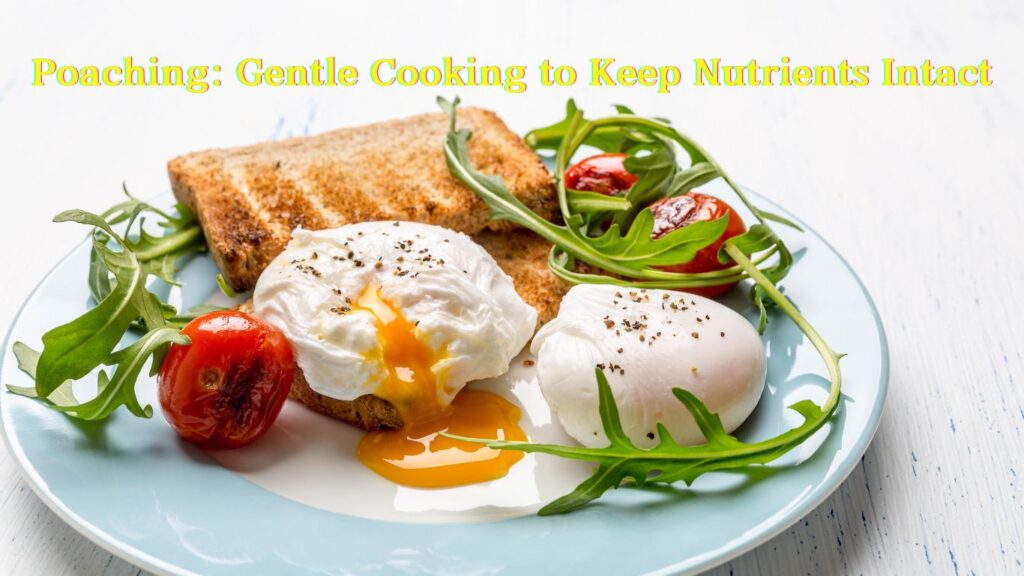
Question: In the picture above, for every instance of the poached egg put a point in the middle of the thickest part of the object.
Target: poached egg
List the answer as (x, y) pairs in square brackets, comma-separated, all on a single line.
[(411, 313), (647, 342)]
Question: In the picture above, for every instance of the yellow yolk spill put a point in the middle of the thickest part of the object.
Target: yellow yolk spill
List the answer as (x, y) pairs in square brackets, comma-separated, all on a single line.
[(417, 455)]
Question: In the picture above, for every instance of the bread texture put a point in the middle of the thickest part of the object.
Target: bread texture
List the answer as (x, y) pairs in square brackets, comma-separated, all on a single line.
[(521, 254), (368, 412), (524, 256), (249, 199)]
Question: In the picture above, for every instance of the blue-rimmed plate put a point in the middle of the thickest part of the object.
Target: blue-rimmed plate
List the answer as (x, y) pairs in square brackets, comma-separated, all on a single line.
[(297, 502)]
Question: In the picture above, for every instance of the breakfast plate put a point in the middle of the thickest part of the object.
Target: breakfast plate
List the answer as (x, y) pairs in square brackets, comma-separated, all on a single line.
[(299, 502)]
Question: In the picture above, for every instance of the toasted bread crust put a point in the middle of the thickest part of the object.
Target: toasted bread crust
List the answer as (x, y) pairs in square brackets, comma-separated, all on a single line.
[(249, 199), (524, 256), (368, 412)]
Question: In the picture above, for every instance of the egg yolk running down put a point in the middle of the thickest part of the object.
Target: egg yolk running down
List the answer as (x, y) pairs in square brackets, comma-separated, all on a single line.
[(417, 455)]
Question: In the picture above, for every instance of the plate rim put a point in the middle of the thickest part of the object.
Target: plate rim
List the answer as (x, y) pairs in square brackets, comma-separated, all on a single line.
[(38, 485), (860, 447), (692, 565)]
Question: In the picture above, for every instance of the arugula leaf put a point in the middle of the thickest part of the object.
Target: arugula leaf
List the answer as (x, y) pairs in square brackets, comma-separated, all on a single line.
[(631, 254), (612, 235), (627, 256), (99, 275), (449, 109), (696, 175), (586, 202), (83, 217), (550, 137), (119, 267), (637, 249), (653, 170), (119, 389), (780, 219), (669, 462), (72, 350), (28, 359), (159, 255), (225, 288), (757, 238)]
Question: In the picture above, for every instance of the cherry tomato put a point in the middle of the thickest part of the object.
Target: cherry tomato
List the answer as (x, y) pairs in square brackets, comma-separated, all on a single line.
[(679, 211), (227, 387), (604, 173)]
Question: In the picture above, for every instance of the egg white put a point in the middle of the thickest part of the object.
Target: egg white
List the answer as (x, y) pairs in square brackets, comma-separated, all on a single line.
[(464, 306), (647, 342)]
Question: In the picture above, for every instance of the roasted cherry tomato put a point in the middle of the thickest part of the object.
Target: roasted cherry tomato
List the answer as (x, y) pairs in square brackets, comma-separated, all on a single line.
[(227, 387), (679, 211), (605, 174)]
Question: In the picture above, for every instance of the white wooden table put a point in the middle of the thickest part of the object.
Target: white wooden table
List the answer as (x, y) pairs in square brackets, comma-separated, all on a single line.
[(921, 189)]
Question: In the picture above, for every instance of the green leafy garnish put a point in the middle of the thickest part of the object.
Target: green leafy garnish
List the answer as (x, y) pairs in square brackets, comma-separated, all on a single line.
[(120, 266), (669, 462), (225, 288), (613, 234), (614, 237), (628, 253)]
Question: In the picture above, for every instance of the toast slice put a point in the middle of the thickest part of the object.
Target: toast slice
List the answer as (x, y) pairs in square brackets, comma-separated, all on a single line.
[(521, 254), (524, 256), (249, 199)]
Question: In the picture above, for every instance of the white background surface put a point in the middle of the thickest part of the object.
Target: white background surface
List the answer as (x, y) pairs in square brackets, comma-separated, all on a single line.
[(920, 189)]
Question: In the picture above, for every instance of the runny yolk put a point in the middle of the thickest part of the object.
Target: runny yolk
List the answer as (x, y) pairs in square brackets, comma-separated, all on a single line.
[(417, 455)]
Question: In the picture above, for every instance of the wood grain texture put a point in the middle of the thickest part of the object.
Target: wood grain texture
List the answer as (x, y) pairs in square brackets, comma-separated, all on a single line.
[(919, 189)]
